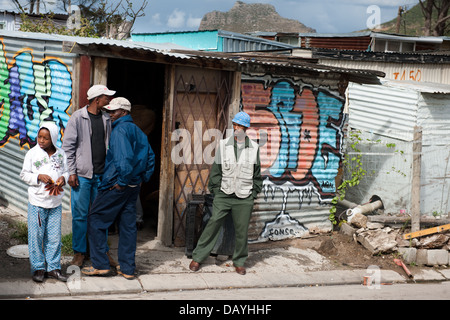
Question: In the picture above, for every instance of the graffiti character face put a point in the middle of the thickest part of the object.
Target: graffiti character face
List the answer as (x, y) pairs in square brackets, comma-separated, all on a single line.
[(44, 139)]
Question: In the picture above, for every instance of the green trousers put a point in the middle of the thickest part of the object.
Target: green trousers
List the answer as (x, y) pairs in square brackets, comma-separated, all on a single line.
[(241, 211)]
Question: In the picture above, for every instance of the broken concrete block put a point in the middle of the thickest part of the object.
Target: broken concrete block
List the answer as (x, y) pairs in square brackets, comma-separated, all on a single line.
[(374, 225), (409, 255), (378, 241), (437, 257)]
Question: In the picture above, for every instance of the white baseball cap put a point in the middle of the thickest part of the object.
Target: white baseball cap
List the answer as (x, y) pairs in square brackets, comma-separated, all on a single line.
[(98, 90), (118, 103)]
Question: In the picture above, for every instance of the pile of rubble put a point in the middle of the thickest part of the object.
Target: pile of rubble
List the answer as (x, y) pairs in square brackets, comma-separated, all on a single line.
[(429, 250)]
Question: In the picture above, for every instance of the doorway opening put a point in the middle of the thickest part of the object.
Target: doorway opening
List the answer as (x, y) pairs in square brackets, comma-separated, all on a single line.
[(142, 83)]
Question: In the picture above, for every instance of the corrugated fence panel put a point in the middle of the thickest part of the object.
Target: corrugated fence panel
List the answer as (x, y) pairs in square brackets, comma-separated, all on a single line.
[(35, 86), (434, 119), (389, 114), (300, 130)]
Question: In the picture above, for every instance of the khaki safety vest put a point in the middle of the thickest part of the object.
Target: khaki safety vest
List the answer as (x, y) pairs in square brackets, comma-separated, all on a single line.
[(237, 176)]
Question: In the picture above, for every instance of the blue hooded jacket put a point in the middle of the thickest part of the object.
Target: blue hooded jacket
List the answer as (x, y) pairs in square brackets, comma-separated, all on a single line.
[(130, 159)]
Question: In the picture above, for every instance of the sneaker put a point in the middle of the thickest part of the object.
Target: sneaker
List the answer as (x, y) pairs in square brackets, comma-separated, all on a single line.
[(78, 259), (91, 271)]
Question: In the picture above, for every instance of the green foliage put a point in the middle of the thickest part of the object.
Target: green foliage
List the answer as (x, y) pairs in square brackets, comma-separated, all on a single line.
[(46, 25)]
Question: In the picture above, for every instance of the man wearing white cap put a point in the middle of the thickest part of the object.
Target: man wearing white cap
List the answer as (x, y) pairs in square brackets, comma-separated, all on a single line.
[(130, 161), (85, 140)]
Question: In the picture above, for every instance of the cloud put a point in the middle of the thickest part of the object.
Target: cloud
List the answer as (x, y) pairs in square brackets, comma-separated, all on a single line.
[(176, 19), (193, 22), (156, 19)]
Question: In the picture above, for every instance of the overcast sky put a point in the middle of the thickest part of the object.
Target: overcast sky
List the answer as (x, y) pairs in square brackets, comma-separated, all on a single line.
[(326, 16)]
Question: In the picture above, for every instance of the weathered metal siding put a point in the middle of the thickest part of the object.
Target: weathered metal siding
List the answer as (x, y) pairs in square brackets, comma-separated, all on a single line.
[(434, 119), (212, 40), (35, 86), (347, 43), (387, 115), (437, 73), (388, 112), (299, 125), (11, 21)]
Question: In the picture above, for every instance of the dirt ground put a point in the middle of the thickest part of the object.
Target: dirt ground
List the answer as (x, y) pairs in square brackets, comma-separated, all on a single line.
[(342, 251)]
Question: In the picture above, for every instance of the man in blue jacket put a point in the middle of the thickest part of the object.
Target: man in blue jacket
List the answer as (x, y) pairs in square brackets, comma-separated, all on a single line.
[(129, 162)]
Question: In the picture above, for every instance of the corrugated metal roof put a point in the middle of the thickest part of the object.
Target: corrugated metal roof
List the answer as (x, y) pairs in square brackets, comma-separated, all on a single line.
[(174, 51), (163, 47)]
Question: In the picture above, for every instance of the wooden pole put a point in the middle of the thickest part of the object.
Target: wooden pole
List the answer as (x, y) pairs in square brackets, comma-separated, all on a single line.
[(415, 183)]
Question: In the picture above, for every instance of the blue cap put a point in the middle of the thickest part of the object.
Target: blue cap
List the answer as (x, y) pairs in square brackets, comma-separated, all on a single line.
[(242, 118)]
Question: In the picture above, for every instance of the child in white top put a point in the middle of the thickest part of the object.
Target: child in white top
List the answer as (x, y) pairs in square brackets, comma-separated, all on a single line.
[(45, 171)]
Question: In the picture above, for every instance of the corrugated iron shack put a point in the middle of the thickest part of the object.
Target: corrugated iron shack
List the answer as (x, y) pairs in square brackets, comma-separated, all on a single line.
[(405, 145), (184, 101)]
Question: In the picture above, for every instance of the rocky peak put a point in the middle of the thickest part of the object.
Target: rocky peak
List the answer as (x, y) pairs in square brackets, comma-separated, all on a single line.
[(244, 18)]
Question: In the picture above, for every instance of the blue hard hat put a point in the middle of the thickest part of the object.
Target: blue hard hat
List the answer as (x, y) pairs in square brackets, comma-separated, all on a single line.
[(242, 118)]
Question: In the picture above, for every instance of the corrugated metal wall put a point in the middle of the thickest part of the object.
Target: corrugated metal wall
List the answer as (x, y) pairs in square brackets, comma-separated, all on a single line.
[(388, 112), (35, 86), (437, 73), (299, 125), (434, 119), (212, 40)]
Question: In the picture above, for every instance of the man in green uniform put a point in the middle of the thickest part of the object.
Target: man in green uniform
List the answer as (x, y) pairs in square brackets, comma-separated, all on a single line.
[(235, 181)]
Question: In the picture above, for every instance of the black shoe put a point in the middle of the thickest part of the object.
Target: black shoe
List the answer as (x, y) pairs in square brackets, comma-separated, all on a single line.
[(56, 274), (38, 276)]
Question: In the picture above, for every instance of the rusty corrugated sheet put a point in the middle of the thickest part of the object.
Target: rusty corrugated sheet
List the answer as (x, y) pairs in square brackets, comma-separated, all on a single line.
[(347, 43)]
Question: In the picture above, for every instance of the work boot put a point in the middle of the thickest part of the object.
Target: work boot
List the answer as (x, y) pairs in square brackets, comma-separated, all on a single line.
[(78, 259)]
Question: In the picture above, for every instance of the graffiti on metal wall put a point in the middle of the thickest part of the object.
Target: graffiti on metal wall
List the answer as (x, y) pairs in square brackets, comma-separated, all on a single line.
[(300, 132), (32, 92)]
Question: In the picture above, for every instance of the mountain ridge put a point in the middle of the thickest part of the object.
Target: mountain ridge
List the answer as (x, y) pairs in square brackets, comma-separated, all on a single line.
[(244, 18)]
